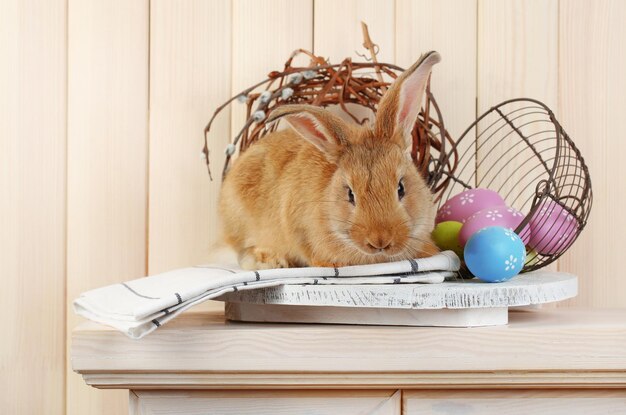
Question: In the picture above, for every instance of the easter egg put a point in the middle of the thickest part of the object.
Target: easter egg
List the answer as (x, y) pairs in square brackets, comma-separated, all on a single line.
[(493, 216), (532, 258), (553, 228), (465, 204), (446, 236), (495, 254)]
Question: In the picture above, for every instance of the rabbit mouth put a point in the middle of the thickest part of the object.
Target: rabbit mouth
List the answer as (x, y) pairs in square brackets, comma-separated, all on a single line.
[(393, 251), (371, 250)]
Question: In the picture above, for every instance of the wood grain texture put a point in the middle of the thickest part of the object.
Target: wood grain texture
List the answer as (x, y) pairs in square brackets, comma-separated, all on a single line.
[(33, 103), (550, 347), (592, 100), (275, 313), (530, 288), (338, 35), (359, 380), (190, 75), (490, 402), (267, 402), (338, 32), (517, 51), (425, 25), (107, 161), (256, 51)]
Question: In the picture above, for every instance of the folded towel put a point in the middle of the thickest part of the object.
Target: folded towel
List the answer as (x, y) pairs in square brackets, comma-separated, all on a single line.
[(140, 306)]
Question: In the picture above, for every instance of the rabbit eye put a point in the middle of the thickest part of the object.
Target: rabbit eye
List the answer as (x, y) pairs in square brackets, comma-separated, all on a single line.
[(400, 190), (350, 196)]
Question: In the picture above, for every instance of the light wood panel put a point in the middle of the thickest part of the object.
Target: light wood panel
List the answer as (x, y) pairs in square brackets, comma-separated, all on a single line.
[(567, 343), (489, 402), (257, 51), (448, 27), (338, 35), (517, 51), (107, 162), (338, 32), (267, 402), (32, 205), (592, 101), (190, 75)]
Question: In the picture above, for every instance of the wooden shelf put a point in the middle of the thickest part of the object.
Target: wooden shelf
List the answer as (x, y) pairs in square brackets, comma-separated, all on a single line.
[(540, 348)]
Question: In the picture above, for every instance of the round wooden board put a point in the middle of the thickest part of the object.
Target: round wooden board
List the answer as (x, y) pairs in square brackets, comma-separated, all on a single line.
[(532, 288), (463, 303)]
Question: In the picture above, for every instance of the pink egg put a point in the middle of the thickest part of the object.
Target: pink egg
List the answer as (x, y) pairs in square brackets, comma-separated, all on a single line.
[(552, 228), (494, 216), (465, 204)]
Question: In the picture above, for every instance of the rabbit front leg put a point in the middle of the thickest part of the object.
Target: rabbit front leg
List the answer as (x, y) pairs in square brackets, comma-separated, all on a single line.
[(254, 258)]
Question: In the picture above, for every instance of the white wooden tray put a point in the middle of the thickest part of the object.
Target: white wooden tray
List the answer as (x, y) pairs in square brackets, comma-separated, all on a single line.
[(463, 303)]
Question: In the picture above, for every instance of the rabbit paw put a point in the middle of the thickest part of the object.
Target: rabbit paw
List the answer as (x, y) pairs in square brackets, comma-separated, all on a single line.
[(258, 258), (326, 264)]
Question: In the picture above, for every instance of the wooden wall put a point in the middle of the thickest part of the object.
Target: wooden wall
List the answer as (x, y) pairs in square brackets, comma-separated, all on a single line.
[(102, 105)]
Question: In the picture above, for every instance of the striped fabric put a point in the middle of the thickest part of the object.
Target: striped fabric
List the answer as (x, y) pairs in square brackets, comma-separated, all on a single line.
[(140, 306)]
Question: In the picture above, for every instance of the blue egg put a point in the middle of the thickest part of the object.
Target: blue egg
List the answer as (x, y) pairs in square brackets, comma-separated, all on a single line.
[(495, 254)]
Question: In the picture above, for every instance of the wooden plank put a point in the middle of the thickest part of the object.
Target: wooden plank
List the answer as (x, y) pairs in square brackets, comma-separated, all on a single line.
[(338, 32), (490, 402), (257, 50), (32, 205), (531, 288), (107, 162), (592, 100), (190, 75), (517, 51), (268, 402), (448, 27), (359, 380), (338, 35), (551, 347), (278, 313)]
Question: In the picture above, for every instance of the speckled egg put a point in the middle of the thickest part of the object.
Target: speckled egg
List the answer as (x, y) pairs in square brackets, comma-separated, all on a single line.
[(446, 236), (495, 254), (465, 204), (552, 228), (494, 216)]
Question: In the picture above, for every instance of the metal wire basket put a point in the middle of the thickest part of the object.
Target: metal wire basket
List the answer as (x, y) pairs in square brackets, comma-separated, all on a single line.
[(520, 150)]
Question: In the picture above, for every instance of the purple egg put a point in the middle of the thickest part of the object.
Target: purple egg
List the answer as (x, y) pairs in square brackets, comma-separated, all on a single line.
[(465, 204), (494, 216), (552, 228)]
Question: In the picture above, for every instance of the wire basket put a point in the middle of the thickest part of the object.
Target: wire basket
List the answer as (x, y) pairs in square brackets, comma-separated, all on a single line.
[(520, 150)]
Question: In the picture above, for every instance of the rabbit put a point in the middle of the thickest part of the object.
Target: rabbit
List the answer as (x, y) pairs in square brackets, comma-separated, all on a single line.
[(330, 193)]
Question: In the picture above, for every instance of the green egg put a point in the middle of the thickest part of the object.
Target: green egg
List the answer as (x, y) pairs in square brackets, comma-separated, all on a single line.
[(446, 236), (532, 257)]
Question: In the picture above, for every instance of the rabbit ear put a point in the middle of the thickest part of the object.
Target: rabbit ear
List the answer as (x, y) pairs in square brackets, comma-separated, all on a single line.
[(316, 125), (400, 106)]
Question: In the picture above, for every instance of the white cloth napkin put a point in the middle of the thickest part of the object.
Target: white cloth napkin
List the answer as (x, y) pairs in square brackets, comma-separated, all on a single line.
[(140, 306)]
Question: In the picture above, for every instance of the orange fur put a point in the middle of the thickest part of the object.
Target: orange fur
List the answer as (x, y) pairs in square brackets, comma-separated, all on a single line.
[(285, 201)]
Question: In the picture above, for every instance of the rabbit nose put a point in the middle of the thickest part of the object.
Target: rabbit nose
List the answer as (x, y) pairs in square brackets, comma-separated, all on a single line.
[(379, 242)]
